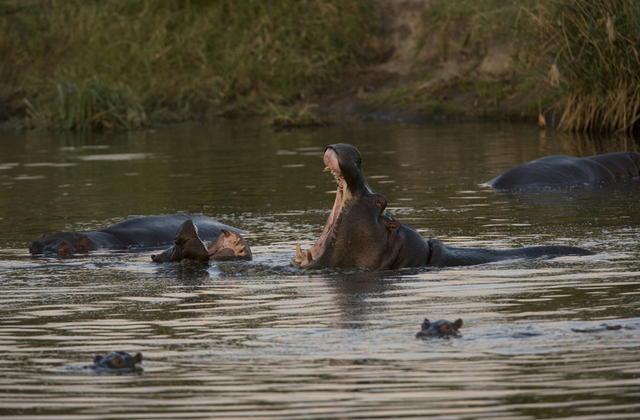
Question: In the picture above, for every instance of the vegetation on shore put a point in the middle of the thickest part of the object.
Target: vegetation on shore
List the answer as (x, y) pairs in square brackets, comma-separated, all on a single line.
[(122, 64), (580, 58), (593, 49), (81, 65)]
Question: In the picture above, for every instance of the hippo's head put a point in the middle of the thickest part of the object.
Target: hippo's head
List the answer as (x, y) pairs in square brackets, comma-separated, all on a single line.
[(62, 243), (359, 233), (119, 361), (441, 328), (230, 246)]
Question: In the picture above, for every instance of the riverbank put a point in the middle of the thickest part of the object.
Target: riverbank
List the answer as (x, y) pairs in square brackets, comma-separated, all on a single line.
[(125, 64)]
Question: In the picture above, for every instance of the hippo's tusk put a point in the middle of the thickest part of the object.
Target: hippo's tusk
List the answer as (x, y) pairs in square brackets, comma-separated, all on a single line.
[(299, 253), (309, 257), (226, 233), (326, 169), (298, 260), (239, 250), (236, 242)]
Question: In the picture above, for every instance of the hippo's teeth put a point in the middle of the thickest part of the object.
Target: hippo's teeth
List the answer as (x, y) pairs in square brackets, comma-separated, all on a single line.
[(326, 169), (236, 242), (226, 233), (298, 260), (299, 253), (309, 257), (239, 250)]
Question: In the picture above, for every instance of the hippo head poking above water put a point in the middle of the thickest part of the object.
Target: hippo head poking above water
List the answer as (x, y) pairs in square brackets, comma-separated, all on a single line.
[(119, 361), (359, 233), (63, 243), (440, 328)]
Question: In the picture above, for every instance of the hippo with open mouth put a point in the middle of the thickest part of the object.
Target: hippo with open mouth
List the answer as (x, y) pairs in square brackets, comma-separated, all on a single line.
[(569, 171), (359, 233)]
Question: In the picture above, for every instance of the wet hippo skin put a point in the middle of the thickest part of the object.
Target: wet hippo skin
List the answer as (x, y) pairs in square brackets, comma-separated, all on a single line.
[(146, 231), (440, 328), (359, 233), (568, 171)]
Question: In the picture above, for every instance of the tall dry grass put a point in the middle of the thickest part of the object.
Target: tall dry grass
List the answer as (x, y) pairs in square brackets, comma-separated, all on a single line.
[(79, 64), (593, 56)]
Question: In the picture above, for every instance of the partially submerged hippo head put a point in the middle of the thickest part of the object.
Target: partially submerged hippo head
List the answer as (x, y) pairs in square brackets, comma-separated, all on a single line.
[(229, 246), (62, 243), (119, 361), (440, 328), (359, 233)]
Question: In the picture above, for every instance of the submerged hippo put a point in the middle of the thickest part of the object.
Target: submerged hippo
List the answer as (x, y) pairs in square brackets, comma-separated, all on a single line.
[(567, 171), (440, 328), (146, 231), (359, 233), (229, 246), (119, 361)]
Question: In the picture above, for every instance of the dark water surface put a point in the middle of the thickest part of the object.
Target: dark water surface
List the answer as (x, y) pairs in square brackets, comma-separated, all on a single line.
[(262, 340)]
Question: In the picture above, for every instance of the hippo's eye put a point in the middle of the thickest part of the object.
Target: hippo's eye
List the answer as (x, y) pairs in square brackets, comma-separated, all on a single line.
[(118, 362), (380, 201), (445, 328)]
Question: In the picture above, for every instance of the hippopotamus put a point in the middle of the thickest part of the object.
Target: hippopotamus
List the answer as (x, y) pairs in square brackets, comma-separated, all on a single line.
[(603, 327), (119, 361), (146, 231), (569, 171), (359, 233), (229, 246), (440, 328)]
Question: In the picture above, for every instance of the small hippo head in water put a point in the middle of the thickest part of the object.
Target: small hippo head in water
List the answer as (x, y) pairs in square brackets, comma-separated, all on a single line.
[(359, 233), (62, 243), (119, 361), (440, 328)]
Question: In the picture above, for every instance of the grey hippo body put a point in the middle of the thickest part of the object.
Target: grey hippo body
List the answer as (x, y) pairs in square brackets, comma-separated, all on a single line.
[(569, 171), (359, 233), (140, 232), (441, 328)]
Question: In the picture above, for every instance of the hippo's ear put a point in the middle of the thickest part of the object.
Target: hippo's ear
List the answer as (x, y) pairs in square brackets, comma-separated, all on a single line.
[(137, 358), (458, 323), (425, 324), (98, 358), (392, 225)]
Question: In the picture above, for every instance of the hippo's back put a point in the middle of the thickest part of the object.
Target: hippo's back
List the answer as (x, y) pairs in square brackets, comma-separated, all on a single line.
[(161, 230), (566, 171)]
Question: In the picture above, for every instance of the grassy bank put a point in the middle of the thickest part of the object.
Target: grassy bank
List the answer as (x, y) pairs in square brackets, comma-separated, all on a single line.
[(578, 59), (591, 50), (122, 64), (79, 64)]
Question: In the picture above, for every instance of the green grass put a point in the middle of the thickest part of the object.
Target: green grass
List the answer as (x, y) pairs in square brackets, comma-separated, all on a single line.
[(132, 62)]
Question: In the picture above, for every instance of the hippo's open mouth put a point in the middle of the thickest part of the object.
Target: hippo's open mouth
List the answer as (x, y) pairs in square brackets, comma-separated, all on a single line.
[(343, 194)]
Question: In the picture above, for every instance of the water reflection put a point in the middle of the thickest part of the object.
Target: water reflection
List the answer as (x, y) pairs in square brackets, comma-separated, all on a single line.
[(266, 340)]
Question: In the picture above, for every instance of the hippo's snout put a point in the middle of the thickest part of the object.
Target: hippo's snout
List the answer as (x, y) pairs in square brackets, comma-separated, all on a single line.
[(36, 247)]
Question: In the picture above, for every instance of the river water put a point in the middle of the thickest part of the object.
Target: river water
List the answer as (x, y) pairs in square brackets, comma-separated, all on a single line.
[(541, 339)]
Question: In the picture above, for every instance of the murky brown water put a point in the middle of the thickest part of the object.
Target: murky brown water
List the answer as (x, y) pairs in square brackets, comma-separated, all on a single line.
[(261, 340)]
